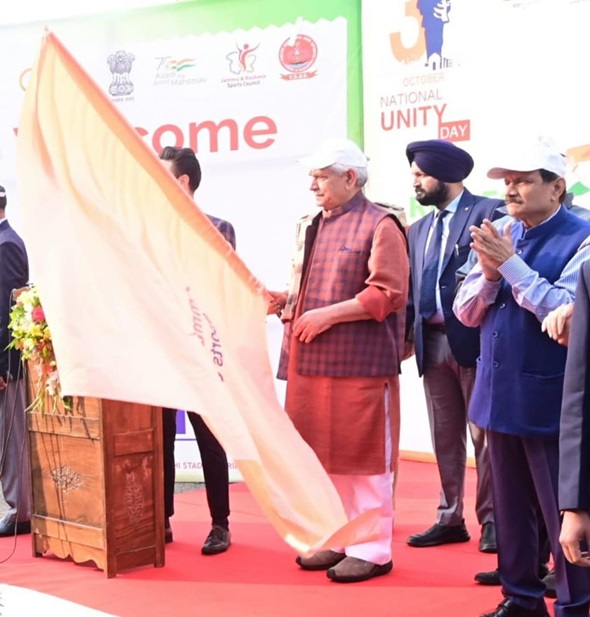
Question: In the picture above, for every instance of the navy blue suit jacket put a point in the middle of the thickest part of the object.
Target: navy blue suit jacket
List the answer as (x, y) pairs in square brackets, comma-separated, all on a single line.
[(574, 431), (14, 274), (225, 228), (464, 342)]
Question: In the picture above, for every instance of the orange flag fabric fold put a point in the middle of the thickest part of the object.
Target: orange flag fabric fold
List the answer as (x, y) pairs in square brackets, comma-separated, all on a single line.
[(148, 303)]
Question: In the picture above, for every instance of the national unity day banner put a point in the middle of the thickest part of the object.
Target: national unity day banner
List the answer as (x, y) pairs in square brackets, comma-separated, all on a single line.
[(479, 73)]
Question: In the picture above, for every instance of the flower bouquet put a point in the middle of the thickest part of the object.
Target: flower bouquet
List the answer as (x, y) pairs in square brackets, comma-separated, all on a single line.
[(31, 335)]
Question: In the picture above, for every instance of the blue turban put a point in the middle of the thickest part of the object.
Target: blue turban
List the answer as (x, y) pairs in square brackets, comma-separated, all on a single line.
[(440, 159)]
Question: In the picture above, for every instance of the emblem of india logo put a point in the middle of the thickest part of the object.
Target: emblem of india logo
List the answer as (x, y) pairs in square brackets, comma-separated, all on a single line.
[(120, 64)]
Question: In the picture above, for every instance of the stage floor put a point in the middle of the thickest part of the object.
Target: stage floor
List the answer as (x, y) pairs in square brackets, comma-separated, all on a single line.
[(258, 577)]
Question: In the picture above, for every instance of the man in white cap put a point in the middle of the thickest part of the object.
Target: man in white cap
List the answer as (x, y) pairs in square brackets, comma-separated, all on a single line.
[(342, 349), (522, 274)]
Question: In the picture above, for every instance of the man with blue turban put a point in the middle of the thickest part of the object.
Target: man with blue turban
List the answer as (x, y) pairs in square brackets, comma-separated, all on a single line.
[(446, 351)]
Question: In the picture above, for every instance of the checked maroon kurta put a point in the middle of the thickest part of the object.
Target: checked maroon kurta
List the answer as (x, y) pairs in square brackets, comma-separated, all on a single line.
[(336, 385)]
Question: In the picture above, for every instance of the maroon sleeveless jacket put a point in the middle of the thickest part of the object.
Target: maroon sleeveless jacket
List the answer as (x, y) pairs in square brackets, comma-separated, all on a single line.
[(338, 272)]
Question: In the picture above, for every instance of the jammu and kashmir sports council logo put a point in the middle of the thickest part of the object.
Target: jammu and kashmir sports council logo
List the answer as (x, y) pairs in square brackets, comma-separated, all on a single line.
[(298, 56), (242, 67), (242, 60)]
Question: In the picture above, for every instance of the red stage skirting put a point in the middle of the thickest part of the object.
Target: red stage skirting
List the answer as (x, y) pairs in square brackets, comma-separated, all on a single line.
[(257, 577)]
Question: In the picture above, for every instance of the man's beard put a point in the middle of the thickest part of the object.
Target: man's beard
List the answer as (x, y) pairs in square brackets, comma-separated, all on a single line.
[(434, 197)]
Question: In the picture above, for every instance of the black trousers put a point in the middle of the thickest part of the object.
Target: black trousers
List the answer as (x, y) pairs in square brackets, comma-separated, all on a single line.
[(214, 462)]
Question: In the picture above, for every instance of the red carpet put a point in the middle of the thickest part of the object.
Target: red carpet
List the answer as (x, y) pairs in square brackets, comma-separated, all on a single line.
[(257, 577)]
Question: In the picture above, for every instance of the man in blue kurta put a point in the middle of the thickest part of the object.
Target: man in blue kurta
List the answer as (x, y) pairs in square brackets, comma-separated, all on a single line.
[(524, 271)]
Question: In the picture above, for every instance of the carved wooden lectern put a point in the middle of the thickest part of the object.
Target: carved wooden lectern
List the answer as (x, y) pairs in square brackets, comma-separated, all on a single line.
[(97, 483)]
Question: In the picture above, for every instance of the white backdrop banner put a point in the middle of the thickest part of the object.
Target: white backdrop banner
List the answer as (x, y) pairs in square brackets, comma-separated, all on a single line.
[(250, 102)]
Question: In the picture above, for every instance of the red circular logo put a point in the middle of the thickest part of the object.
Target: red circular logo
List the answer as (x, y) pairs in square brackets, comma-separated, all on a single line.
[(298, 56)]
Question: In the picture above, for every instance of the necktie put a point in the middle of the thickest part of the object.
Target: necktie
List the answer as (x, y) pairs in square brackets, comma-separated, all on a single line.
[(430, 269)]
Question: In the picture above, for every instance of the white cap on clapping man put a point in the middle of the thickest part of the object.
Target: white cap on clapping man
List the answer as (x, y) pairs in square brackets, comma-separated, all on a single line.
[(543, 153)]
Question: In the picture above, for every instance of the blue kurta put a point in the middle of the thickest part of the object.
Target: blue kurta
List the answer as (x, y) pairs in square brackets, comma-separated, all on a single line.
[(519, 380)]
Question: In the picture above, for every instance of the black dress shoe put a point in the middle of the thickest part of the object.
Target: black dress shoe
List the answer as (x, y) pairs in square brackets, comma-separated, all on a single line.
[(487, 542), (493, 578), (217, 541), (440, 534), (488, 578), (509, 608), (14, 528)]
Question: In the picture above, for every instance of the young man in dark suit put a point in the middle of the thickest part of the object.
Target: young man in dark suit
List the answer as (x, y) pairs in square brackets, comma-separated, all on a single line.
[(14, 457), (184, 166), (574, 429), (446, 350)]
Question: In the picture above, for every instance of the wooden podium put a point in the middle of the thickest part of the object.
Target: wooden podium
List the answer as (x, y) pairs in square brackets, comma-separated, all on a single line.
[(97, 483)]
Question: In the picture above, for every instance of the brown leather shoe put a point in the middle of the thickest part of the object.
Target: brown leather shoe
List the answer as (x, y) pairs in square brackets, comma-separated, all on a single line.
[(320, 561), (353, 570)]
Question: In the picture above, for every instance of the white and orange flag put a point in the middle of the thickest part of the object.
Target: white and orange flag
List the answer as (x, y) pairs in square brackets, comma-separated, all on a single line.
[(148, 303)]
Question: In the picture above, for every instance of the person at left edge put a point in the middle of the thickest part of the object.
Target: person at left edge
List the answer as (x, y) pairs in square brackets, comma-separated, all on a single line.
[(14, 455), (185, 167), (446, 350), (342, 349)]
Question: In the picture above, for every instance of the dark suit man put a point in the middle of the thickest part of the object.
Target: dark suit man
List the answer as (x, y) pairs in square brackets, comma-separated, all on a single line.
[(14, 457), (574, 430), (185, 167), (446, 350)]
